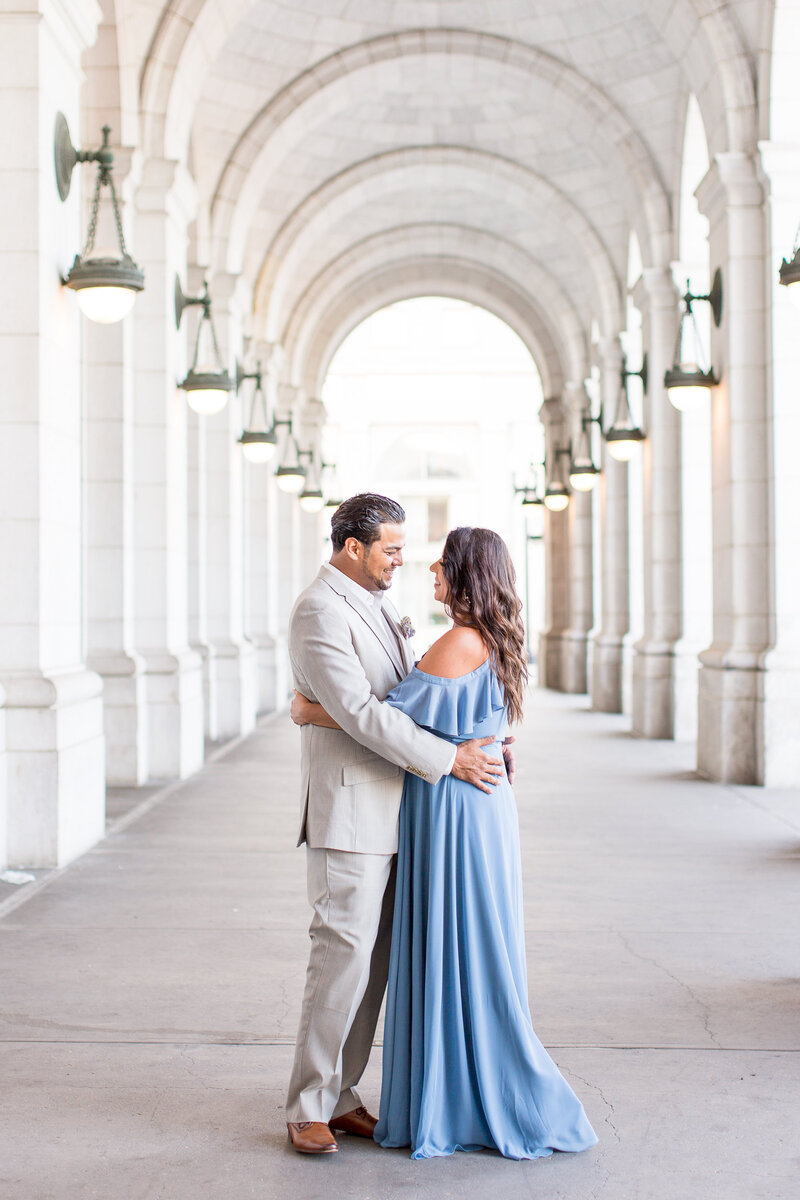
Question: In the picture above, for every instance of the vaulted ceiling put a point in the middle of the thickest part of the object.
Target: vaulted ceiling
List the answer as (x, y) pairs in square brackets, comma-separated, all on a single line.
[(349, 150)]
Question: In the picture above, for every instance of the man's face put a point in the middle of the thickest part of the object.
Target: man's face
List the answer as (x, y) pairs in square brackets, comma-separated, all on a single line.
[(380, 560)]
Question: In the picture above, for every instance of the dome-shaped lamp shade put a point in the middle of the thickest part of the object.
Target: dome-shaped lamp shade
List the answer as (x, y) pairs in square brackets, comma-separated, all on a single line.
[(331, 506), (311, 500), (531, 500), (583, 476), (106, 287), (688, 388), (790, 277), (291, 479), (207, 391), (556, 496), (623, 443), (258, 446)]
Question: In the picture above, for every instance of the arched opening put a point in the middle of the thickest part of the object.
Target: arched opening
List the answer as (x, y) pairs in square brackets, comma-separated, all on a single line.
[(434, 401)]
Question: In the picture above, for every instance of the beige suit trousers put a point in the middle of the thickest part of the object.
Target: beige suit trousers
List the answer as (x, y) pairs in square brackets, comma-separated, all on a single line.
[(353, 897)]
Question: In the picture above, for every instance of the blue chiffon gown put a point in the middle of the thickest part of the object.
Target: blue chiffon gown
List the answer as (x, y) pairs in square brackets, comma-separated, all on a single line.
[(462, 1066)]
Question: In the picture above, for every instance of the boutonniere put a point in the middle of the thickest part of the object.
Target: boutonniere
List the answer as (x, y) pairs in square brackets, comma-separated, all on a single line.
[(406, 628)]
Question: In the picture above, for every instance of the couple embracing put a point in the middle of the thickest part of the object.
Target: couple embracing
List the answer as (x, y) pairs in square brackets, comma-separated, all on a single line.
[(413, 858)]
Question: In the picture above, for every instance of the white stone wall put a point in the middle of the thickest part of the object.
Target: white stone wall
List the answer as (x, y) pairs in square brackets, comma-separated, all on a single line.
[(316, 167), (54, 724)]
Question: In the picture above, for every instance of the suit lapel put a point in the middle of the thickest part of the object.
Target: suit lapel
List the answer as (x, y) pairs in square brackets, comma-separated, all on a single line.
[(405, 643), (375, 621)]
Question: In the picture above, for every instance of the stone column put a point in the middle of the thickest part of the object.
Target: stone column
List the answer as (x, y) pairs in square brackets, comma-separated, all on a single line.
[(173, 680), (109, 504), (730, 718), (289, 551), (262, 533), (312, 422), (197, 534), (231, 664), (654, 661), (556, 545), (54, 713), (574, 675), (781, 681), (606, 683)]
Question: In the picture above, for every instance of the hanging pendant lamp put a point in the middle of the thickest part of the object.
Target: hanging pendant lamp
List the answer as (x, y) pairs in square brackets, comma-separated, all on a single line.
[(689, 384), (207, 386), (106, 285), (624, 436), (258, 440), (583, 473)]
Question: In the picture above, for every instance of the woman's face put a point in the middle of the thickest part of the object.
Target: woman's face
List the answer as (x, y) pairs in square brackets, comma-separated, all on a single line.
[(440, 588)]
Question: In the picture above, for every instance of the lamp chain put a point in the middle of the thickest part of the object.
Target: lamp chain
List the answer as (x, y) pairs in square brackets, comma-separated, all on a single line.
[(90, 236), (796, 246), (117, 216), (217, 355), (197, 343), (206, 317), (104, 176)]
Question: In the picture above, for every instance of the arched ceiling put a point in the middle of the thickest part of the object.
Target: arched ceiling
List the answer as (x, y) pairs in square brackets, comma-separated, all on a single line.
[(337, 143)]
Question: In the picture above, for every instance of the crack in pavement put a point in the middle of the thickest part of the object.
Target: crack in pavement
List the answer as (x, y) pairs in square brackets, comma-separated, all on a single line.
[(597, 1190), (704, 1008)]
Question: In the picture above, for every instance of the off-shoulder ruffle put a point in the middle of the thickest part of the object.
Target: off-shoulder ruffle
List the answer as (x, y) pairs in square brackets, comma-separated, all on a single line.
[(449, 706)]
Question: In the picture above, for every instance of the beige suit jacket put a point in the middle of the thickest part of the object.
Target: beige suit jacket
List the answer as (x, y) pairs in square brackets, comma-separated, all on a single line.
[(345, 656)]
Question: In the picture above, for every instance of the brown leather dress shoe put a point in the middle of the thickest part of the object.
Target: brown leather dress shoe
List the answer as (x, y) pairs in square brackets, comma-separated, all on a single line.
[(311, 1137), (359, 1123)]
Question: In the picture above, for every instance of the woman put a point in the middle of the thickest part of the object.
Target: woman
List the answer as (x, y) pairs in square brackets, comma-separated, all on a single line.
[(462, 1066)]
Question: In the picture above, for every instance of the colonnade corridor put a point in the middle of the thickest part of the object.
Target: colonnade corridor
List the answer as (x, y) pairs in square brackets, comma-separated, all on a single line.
[(151, 989)]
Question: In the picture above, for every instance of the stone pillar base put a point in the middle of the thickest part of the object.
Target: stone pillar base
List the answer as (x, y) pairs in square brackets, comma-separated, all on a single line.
[(549, 662), (653, 703), (231, 689), (781, 718), (273, 676), (574, 672), (174, 691), (686, 670), (606, 691), (56, 766), (729, 699), (124, 716)]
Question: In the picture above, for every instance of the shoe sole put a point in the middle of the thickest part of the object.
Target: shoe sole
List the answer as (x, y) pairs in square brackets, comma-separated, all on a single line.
[(322, 1150)]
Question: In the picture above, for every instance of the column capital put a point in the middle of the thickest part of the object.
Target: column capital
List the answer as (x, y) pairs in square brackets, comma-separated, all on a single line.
[(655, 289), (313, 413), (231, 290), (576, 398), (166, 184), (79, 19), (269, 354), (610, 352), (730, 182), (552, 411), (290, 398)]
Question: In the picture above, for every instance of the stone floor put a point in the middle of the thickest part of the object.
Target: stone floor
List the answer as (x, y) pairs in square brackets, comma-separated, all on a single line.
[(150, 990)]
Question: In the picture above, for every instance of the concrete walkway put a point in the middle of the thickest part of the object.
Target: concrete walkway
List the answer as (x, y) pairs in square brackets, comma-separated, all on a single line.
[(150, 991)]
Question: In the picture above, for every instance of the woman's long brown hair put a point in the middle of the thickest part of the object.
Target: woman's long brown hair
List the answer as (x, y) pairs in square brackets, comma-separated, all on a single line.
[(482, 593)]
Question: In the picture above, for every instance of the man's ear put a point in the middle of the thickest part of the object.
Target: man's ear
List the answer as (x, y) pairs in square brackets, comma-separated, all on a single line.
[(352, 547)]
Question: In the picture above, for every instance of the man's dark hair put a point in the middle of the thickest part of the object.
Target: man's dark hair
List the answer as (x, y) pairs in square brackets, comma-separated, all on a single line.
[(361, 518)]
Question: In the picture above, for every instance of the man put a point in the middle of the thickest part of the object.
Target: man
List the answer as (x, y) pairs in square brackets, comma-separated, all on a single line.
[(348, 651)]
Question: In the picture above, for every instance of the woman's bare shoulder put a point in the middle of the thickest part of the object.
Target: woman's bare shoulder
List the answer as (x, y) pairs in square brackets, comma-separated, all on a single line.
[(455, 653)]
